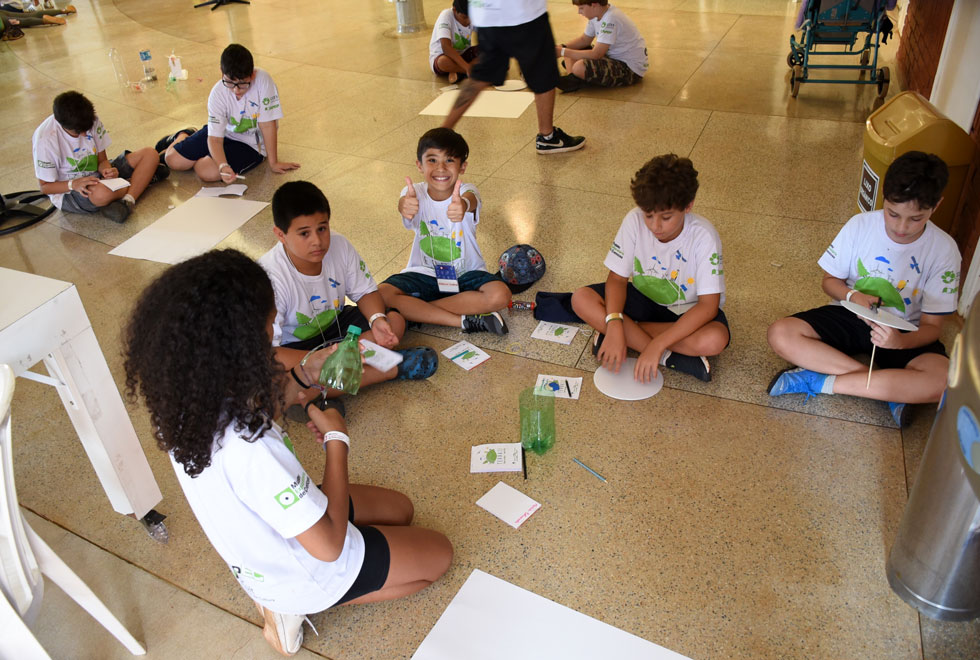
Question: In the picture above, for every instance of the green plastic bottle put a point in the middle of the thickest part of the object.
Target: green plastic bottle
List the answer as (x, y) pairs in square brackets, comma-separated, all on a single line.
[(342, 370)]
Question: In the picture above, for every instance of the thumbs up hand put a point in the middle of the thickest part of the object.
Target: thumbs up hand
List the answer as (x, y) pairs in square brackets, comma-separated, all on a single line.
[(408, 204), (457, 205)]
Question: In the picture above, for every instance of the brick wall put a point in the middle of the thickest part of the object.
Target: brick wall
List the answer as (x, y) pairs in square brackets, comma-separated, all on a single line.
[(922, 42)]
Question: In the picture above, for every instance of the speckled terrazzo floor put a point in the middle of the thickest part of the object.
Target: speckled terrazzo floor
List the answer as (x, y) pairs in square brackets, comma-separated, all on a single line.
[(732, 526)]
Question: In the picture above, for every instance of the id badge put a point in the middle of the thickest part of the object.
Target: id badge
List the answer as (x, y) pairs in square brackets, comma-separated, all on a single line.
[(446, 278)]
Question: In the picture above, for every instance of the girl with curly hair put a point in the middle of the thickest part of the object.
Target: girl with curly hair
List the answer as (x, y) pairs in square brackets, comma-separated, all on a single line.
[(198, 350)]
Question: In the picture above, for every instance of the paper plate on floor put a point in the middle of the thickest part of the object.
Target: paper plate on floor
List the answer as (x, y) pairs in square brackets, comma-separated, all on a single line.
[(511, 86), (622, 386), (881, 317)]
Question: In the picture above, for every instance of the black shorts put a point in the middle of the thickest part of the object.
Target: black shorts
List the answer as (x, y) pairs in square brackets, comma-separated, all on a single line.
[(531, 43), (240, 156), (377, 560), (849, 334), (641, 309), (349, 315)]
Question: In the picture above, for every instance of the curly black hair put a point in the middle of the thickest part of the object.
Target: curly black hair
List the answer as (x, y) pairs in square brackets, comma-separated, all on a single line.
[(665, 182), (197, 349)]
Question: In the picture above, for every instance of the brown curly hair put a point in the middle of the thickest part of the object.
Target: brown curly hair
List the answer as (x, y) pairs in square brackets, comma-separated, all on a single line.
[(198, 351), (664, 183)]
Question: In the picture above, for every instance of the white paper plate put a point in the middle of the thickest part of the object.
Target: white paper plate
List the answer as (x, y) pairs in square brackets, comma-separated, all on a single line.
[(622, 386), (511, 86), (881, 317)]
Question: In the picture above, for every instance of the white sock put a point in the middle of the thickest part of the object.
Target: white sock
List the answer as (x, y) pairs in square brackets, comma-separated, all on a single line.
[(663, 358), (129, 199), (462, 321), (549, 135), (828, 385)]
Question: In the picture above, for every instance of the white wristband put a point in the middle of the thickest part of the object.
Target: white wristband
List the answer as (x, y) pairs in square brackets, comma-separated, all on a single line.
[(70, 182), (224, 165), (375, 317), (850, 293), (335, 435), (615, 316), (563, 52), (467, 200)]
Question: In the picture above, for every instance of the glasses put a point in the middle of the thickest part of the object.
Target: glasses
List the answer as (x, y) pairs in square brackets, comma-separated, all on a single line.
[(245, 84)]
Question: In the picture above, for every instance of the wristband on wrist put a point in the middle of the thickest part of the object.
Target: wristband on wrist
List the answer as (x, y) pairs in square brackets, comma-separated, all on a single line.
[(615, 316), (467, 200), (563, 52), (375, 317), (70, 182), (336, 435), (224, 165), (850, 293)]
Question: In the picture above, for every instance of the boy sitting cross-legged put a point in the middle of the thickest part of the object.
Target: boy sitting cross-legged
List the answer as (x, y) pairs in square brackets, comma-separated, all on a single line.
[(70, 160), (671, 312), (313, 270), (895, 258), (446, 281)]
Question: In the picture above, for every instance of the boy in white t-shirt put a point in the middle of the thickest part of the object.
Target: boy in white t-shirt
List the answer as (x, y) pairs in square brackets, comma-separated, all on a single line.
[(69, 149), (243, 124), (450, 50), (617, 58), (671, 311), (445, 281), (313, 271), (894, 258)]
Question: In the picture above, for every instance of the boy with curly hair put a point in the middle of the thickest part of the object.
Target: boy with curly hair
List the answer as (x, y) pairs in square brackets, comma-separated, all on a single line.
[(895, 258), (671, 311)]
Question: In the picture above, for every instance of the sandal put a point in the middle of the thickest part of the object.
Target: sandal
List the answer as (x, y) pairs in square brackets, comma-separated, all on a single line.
[(12, 33)]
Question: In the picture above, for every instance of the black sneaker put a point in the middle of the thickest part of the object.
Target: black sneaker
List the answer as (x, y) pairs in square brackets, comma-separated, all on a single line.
[(597, 338), (491, 322), (570, 83), (694, 365), (116, 211), (162, 173), (164, 143), (559, 142)]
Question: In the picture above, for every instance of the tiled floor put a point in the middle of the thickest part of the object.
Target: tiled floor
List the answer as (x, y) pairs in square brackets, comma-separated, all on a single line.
[(733, 525)]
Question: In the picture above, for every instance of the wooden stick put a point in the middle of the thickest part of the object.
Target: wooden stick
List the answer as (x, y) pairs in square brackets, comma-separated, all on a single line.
[(871, 365)]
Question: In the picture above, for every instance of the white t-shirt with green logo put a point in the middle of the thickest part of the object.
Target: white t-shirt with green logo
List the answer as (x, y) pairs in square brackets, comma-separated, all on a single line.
[(625, 43), (60, 157), (238, 119), (447, 27), (251, 502), (438, 239), (307, 304), (673, 274)]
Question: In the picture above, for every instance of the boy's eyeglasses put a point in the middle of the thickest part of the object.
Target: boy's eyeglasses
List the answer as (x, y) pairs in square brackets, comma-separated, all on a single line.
[(245, 84)]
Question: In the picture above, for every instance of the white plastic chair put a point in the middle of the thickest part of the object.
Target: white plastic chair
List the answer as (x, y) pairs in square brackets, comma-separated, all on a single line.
[(24, 557)]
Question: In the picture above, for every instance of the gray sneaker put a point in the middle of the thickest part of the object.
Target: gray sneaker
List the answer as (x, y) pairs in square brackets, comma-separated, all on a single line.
[(491, 322), (559, 142), (116, 211)]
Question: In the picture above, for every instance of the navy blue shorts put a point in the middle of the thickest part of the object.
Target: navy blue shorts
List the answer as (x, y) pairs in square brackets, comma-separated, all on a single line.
[(239, 155), (532, 44), (845, 331), (641, 309), (349, 315), (426, 287)]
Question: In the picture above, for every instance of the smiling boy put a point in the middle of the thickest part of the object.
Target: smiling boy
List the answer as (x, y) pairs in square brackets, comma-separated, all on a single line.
[(894, 257), (243, 124), (445, 281), (671, 311)]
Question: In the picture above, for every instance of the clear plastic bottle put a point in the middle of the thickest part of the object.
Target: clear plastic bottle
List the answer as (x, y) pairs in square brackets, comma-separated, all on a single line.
[(119, 68), (149, 73), (342, 370)]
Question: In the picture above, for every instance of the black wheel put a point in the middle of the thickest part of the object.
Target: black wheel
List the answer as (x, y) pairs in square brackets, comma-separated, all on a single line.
[(795, 79), (795, 57), (878, 102), (865, 57), (883, 78)]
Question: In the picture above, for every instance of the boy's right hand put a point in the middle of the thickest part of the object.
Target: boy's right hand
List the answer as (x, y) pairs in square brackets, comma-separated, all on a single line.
[(83, 185), (864, 299), (612, 353), (408, 205), (324, 421)]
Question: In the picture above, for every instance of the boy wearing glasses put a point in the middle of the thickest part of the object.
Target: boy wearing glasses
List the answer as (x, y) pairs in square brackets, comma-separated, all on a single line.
[(243, 121)]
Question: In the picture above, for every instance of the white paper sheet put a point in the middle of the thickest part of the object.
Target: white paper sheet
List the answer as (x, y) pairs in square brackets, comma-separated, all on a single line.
[(466, 355), (216, 191), (556, 332), (191, 229), (497, 457), (561, 387), (470, 628), (490, 103), (509, 504), (114, 184), (379, 357)]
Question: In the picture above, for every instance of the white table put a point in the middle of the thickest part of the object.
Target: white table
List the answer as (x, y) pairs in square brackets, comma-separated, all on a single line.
[(42, 319)]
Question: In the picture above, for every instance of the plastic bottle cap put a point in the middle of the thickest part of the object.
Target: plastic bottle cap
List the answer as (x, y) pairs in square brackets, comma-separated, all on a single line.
[(353, 329)]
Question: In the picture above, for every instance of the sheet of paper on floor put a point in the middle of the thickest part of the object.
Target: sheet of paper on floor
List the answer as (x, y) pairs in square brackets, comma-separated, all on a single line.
[(473, 627), (490, 103), (237, 189), (191, 229), (497, 457), (561, 387), (509, 504), (556, 332)]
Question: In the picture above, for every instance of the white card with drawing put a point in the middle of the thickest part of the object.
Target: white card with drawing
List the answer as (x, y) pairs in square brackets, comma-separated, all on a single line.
[(560, 387), (379, 357), (465, 355), (509, 504), (556, 332), (496, 457), (114, 184)]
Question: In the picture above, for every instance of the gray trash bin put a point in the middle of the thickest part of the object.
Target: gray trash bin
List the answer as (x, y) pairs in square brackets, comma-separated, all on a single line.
[(934, 564)]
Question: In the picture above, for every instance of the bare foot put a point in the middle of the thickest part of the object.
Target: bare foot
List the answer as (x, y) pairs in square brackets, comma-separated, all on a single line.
[(53, 20), (453, 77), (70, 9)]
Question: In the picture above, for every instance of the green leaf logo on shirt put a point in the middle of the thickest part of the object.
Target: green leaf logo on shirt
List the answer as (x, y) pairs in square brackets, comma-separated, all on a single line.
[(460, 42), (660, 290), (88, 164), (878, 287), (439, 248), (310, 327), (243, 125)]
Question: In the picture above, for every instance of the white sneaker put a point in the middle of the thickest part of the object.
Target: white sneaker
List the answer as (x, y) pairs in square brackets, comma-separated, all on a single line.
[(284, 632)]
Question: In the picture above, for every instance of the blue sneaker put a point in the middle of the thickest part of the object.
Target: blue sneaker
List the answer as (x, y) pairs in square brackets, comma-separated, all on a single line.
[(419, 363), (900, 413), (797, 381)]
